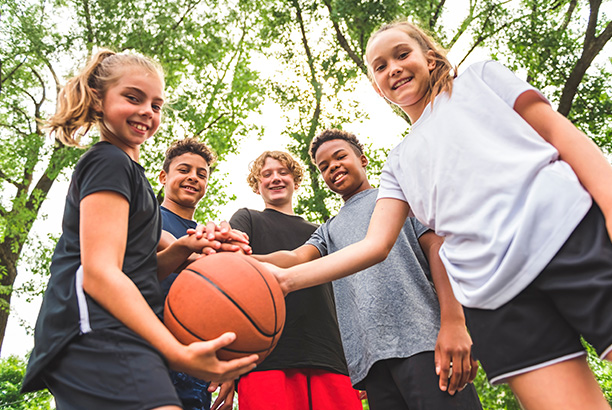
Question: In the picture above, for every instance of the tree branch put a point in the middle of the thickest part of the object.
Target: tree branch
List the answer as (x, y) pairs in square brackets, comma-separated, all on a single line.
[(592, 46), (9, 180), (177, 23), (344, 42), (434, 18), (13, 71)]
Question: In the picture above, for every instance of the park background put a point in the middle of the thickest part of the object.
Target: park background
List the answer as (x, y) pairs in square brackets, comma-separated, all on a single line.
[(249, 75)]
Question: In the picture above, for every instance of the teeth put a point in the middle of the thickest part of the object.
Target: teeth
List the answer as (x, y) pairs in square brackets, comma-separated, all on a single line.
[(339, 176), (402, 83), (139, 127)]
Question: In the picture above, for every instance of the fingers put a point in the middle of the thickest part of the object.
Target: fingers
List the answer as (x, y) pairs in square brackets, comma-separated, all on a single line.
[(225, 398), (443, 367), (234, 368), (473, 371), (212, 386), (210, 231)]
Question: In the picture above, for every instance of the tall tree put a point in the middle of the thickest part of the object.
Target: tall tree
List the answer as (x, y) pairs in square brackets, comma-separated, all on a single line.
[(204, 47)]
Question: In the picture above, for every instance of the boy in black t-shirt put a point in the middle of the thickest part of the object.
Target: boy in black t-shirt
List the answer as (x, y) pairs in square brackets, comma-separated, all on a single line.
[(307, 369)]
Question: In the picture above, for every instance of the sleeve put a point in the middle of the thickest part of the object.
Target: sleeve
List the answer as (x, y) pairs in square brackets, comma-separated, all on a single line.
[(389, 184), (106, 168), (317, 239), (419, 228), (241, 220), (505, 83)]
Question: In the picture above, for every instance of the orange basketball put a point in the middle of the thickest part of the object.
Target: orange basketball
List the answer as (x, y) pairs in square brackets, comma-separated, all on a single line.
[(227, 292)]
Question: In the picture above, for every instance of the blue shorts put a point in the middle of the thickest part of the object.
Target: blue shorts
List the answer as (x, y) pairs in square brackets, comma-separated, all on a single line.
[(542, 325), (110, 369)]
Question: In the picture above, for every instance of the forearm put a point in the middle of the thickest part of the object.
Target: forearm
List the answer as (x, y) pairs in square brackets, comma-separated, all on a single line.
[(171, 259), (352, 259), (451, 310), (287, 259), (116, 293), (385, 224), (574, 147)]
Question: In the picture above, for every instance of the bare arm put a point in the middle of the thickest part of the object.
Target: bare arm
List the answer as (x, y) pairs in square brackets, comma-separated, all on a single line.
[(287, 259), (454, 343), (103, 233), (386, 222), (575, 148)]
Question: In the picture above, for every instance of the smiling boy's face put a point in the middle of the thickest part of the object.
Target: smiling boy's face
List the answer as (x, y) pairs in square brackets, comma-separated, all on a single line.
[(341, 168), (185, 182)]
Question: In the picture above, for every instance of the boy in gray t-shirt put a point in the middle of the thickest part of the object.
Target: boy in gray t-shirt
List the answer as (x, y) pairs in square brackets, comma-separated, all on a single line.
[(405, 342)]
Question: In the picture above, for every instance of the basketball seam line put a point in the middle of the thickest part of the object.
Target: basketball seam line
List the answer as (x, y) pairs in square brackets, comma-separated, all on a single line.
[(205, 340), (238, 306), (272, 342)]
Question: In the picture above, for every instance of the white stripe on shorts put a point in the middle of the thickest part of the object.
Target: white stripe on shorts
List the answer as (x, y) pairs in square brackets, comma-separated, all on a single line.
[(502, 377), (84, 324), (605, 353)]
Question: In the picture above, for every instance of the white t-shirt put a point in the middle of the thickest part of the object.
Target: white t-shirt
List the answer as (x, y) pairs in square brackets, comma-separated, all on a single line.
[(476, 173)]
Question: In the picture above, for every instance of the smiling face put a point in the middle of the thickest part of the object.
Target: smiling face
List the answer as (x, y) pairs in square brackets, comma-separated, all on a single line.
[(343, 170), (400, 70), (276, 185), (131, 110), (185, 183)]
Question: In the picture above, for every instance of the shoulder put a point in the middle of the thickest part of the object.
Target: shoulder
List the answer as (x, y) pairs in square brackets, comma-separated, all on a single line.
[(242, 218), (244, 212), (107, 168), (108, 156)]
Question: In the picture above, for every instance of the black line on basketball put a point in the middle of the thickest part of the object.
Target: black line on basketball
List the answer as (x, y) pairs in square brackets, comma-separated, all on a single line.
[(234, 302), (181, 323), (269, 291), (272, 342)]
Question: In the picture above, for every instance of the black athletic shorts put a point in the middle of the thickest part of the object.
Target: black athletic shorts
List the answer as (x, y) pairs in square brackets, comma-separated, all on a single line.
[(542, 325), (411, 383), (110, 369)]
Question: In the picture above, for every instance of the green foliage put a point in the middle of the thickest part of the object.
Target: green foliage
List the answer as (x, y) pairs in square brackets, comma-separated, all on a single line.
[(12, 370), (602, 370), (498, 397), (204, 47)]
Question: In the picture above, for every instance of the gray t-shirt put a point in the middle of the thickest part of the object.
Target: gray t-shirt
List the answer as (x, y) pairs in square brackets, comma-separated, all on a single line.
[(389, 310)]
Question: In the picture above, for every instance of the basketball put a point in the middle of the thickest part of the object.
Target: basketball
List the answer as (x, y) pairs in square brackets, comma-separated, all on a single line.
[(227, 292)]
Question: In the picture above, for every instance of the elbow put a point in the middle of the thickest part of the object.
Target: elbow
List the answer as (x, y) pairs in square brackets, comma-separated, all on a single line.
[(380, 252)]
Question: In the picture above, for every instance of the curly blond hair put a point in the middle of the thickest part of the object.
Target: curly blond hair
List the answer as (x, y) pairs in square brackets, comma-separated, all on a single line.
[(296, 169)]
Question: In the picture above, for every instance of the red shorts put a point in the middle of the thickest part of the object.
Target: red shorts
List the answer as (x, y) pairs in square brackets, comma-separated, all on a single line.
[(297, 389)]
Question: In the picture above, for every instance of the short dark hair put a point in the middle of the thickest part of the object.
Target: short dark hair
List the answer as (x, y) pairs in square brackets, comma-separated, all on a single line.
[(335, 134), (188, 145)]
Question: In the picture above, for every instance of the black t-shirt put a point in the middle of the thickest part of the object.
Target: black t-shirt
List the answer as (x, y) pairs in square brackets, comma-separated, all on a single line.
[(66, 309), (311, 338)]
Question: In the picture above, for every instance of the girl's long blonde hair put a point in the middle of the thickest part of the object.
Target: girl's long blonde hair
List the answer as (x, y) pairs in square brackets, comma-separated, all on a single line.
[(79, 103), (442, 76)]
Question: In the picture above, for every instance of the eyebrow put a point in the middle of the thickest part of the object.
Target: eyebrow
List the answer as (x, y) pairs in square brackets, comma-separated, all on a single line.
[(142, 93), (333, 153), (191, 166), (394, 49)]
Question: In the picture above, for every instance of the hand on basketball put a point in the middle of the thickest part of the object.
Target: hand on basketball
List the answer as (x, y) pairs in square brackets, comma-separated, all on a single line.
[(200, 360), (454, 362)]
